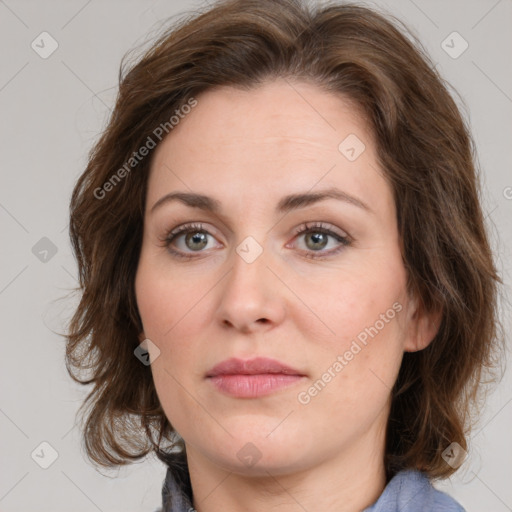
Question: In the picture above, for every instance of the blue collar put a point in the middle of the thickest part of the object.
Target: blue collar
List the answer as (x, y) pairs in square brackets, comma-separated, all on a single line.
[(411, 491)]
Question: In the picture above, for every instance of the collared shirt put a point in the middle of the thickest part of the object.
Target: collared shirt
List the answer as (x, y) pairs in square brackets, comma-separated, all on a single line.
[(407, 491)]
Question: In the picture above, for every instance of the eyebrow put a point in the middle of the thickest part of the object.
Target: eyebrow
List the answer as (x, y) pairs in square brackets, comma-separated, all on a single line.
[(286, 204)]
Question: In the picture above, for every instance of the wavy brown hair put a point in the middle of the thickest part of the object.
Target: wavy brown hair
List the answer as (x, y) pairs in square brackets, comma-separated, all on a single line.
[(427, 154)]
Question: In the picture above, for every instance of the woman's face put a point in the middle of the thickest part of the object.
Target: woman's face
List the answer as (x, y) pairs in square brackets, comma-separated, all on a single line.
[(330, 303)]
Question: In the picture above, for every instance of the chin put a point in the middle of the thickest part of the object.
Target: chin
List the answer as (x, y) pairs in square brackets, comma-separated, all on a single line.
[(252, 461), (253, 452)]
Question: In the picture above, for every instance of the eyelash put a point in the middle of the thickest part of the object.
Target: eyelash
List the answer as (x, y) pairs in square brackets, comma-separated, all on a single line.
[(315, 227)]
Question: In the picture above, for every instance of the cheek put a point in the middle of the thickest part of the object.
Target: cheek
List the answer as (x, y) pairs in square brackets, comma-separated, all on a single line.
[(173, 309), (360, 296), (165, 299), (354, 377), (167, 308), (357, 364)]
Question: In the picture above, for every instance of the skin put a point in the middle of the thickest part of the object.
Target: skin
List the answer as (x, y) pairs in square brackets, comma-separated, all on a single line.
[(248, 149)]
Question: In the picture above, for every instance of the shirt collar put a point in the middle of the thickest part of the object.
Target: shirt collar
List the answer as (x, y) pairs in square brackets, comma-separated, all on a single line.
[(407, 491)]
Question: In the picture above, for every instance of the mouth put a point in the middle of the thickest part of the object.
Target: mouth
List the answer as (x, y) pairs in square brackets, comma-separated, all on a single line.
[(252, 378)]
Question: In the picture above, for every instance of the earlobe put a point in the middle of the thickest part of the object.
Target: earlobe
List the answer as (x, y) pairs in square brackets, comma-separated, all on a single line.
[(423, 326)]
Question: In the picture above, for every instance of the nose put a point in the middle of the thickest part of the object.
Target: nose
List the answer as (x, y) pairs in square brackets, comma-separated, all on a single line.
[(250, 300)]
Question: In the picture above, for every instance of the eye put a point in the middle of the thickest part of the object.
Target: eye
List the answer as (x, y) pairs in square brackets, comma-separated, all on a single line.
[(316, 239), (193, 238)]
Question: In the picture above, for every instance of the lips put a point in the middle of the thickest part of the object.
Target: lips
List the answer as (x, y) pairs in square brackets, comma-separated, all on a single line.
[(255, 366), (254, 378)]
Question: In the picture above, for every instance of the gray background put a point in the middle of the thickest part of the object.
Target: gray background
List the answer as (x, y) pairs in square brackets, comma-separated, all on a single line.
[(52, 111)]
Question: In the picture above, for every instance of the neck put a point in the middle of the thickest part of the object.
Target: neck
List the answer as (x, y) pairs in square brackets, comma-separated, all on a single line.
[(347, 482)]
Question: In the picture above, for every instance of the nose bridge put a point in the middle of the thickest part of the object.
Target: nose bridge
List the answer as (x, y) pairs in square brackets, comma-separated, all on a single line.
[(249, 269), (249, 293)]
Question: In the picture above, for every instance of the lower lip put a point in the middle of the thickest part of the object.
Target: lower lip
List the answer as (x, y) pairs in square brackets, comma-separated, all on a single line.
[(253, 386)]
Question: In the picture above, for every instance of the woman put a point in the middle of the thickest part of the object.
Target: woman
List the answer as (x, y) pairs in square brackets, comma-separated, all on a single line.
[(288, 290)]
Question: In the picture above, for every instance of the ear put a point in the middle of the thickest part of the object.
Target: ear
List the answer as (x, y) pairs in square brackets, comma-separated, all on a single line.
[(422, 326), (142, 337)]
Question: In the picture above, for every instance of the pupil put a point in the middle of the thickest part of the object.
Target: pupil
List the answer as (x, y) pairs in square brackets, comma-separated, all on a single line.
[(197, 238), (318, 238)]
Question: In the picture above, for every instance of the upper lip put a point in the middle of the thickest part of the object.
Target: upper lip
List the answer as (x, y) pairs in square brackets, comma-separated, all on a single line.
[(255, 366)]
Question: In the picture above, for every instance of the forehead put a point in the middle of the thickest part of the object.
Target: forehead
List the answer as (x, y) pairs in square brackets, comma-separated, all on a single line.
[(274, 113), (279, 137)]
